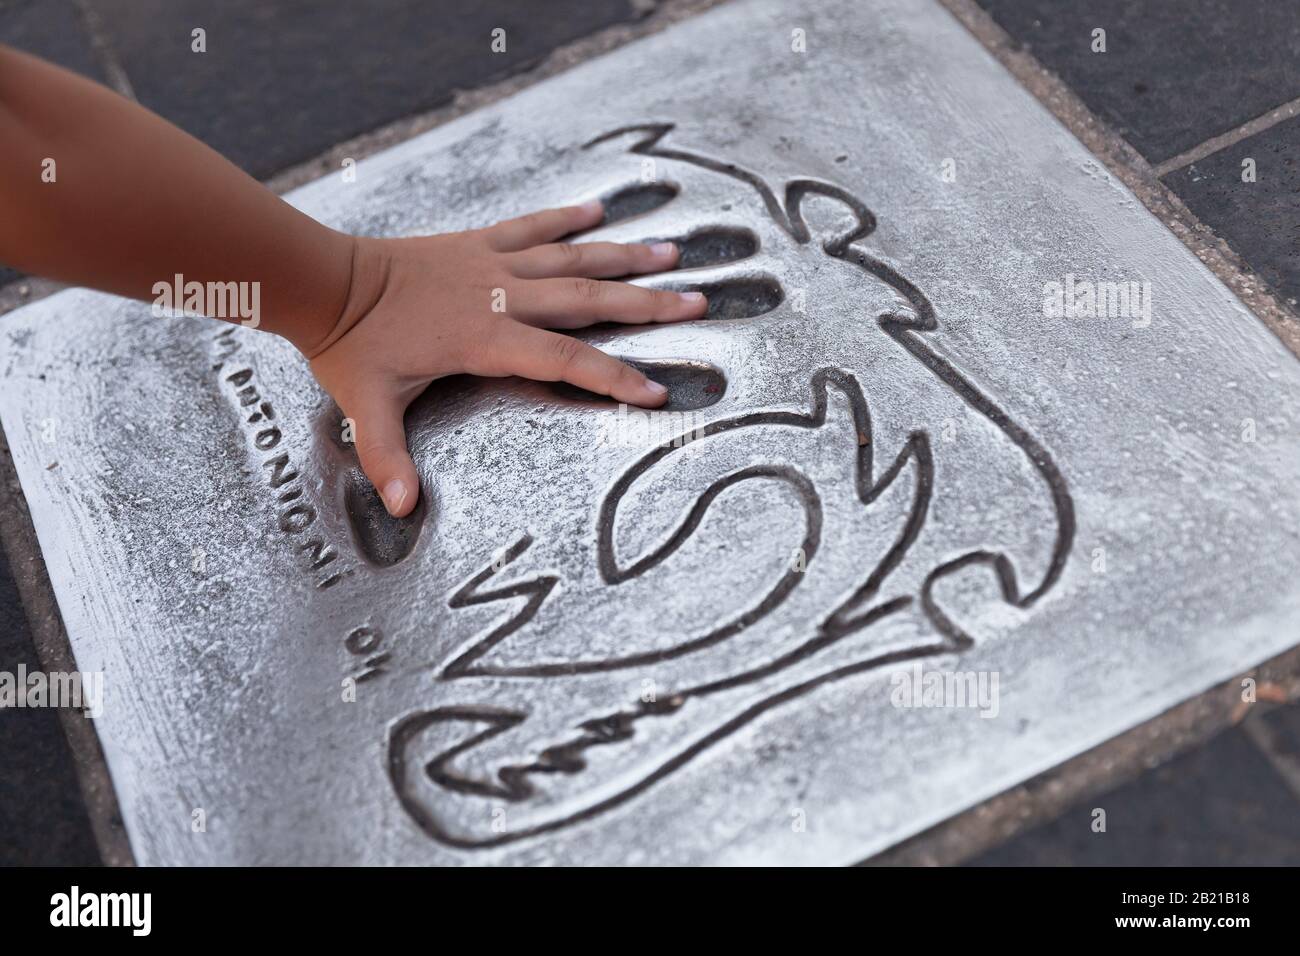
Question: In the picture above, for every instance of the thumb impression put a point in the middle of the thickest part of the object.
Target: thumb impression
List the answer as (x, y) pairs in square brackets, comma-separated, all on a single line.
[(381, 446)]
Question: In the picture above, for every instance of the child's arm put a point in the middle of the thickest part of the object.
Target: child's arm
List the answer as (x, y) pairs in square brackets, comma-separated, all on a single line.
[(134, 201)]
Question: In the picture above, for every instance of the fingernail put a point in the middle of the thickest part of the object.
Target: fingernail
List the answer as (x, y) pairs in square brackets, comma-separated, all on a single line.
[(592, 206), (664, 249), (394, 495), (694, 298), (654, 388)]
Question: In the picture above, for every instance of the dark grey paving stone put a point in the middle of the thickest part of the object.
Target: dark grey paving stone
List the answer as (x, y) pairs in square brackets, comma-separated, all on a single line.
[(1174, 75), (51, 29), (1259, 220), (1284, 724), (43, 818), (1219, 805), (284, 80)]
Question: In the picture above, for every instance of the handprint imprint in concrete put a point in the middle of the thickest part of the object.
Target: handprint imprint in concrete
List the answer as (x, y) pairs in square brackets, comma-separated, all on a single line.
[(849, 429)]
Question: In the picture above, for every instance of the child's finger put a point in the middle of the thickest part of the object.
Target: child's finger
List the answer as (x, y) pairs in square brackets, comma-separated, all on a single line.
[(381, 446), (545, 226), (551, 357), (592, 260), (572, 303)]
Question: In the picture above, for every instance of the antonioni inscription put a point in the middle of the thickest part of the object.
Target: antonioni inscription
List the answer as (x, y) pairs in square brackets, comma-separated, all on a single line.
[(296, 517)]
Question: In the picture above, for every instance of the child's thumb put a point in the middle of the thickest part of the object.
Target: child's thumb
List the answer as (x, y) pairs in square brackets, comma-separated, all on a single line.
[(381, 446)]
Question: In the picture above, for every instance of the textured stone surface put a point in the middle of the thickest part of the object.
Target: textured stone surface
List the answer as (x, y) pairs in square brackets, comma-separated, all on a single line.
[(1259, 219), (51, 29), (285, 80), (1173, 75), (593, 648), (1220, 805)]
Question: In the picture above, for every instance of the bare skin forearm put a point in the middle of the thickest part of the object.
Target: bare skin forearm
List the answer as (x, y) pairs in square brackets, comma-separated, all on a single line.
[(135, 201)]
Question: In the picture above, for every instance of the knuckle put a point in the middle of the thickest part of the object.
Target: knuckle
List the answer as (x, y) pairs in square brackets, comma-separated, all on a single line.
[(477, 361), (569, 255), (661, 302), (564, 350), (367, 447), (588, 290), (372, 450), (627, 375), (483, 355)]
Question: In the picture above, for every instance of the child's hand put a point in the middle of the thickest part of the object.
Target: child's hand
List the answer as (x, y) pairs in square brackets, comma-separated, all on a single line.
[(379, 318), (480, 302)]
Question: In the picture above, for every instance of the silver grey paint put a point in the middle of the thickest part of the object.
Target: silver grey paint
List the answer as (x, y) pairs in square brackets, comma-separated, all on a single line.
[(224, 686)]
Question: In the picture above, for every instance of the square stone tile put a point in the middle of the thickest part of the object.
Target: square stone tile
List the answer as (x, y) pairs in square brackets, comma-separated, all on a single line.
[(1221, 804), (1173, 74), (52, 29), (1283, 724), (687, 639), (283, 81), (1260, 216)]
